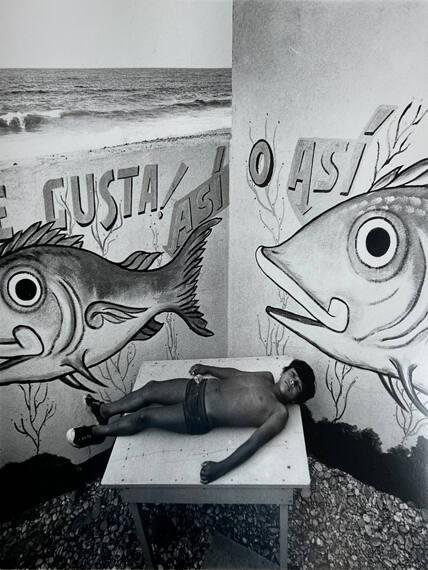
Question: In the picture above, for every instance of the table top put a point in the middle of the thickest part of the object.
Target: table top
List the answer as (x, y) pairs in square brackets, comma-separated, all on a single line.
[(164, 460)]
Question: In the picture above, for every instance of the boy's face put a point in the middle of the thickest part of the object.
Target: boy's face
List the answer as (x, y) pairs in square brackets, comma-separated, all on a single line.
[(290, 384)]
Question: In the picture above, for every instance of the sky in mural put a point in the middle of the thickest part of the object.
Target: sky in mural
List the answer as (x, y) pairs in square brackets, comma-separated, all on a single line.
[(114, 33)]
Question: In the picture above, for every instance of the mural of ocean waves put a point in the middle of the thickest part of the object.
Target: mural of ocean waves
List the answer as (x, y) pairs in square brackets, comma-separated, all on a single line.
[(17, 120), (59, 110)]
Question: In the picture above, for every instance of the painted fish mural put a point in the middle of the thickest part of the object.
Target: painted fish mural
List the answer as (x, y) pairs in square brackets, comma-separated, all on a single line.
[(64, 309), (359, 270)]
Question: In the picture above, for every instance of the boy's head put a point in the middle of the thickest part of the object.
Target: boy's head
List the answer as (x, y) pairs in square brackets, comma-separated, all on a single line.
[(297, 382)]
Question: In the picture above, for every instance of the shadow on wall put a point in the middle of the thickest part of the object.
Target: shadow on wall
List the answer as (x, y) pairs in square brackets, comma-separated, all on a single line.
[(51, 475), (401, 472)]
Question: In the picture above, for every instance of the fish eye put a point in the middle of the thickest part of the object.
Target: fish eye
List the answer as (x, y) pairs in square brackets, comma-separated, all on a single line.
[(376, 242), (378, 245), (25, 289)]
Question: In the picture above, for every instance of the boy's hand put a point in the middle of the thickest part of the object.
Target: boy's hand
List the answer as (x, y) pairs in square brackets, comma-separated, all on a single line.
[(210, 471), (197, 369)]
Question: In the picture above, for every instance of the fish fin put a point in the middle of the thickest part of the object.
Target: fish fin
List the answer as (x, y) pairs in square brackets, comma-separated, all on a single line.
[(389, 387), (414, 175), (408, 385), (78, 365), (385, 180), (188, 263), (101, 311), (81, 367), (420, 388), (73, 382), (140, 260), (39, 234), (150, 329)]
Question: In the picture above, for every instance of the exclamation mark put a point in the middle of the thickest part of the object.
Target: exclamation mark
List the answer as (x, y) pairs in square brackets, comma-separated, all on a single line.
[(5, 233), (182, 169)]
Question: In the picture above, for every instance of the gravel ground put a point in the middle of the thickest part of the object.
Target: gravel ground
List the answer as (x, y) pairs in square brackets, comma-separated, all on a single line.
[(344, 524)]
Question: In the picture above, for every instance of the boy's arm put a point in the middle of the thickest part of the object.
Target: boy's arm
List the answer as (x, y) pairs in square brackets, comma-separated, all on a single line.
[(221, 372), (212, 470), (217, 371)]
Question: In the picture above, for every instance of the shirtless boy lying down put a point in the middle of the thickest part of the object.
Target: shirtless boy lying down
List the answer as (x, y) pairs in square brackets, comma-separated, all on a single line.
[(214, 397)]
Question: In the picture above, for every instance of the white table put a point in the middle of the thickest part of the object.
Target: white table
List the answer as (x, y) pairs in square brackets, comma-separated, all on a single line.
[(160, 467)]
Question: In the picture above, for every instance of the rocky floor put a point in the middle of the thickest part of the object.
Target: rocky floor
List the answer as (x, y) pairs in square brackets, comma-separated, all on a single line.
[(344, 524)]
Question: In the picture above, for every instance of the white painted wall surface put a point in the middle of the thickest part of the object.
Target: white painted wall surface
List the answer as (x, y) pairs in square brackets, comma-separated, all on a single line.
[(148, 232), (313, 70)]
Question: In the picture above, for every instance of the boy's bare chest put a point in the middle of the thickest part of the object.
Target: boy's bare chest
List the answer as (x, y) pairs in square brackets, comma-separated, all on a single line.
[(242, 403)]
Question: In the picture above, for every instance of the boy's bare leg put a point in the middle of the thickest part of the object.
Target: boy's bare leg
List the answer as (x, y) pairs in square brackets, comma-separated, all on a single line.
[(167, 392), (170, 418)]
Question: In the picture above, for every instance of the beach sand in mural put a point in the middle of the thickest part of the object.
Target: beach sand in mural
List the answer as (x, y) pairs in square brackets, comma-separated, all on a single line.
[(131, 150), (28, 176)]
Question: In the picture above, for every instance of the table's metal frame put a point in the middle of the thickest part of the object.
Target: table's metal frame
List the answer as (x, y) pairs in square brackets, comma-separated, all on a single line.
[(135, 496)]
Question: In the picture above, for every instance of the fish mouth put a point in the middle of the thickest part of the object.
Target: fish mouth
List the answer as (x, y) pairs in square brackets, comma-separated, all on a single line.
[(279, 314), (335, 318), (24, 345)]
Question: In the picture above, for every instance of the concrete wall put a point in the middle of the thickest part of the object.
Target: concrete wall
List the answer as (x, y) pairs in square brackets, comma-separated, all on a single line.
[(338, 75), (201, 193), (327, 86)]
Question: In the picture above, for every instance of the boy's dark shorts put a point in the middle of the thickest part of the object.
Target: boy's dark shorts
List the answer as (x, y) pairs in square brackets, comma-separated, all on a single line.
[(195, 412)]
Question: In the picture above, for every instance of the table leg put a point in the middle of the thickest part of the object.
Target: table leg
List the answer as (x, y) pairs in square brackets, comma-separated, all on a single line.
[(142, 535), (283, 536)]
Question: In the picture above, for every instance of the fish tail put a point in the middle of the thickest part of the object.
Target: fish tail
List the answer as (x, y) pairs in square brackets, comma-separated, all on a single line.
[(188, 265)]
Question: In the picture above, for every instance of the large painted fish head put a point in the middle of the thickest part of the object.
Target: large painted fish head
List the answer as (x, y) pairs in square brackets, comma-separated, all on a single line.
[(358, 274), (35, 302)]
